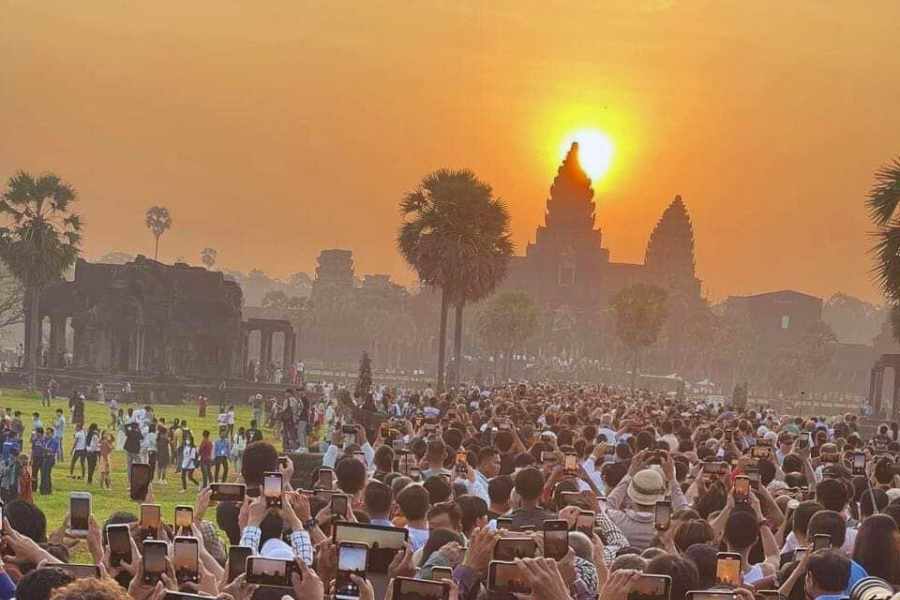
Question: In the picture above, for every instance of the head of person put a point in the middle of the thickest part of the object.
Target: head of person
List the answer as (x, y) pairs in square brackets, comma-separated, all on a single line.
[(630, 562), (741, 531), (877, 548), (832, 494), (683, 572), (438, 488), (529, 483), (489, 462), (259, 457), (377, 499), (39, 584), (474, 513), (827, 574), (705, 557), (800, 519), (414, 501), (350, 473), (693, 532), (830, 523), (384, 459), (445, 515), (27, 519), (645, 489), (499, 490), (437, 539), (91, 589)]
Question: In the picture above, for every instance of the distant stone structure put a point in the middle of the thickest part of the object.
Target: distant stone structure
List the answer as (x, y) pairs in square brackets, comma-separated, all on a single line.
[(567, 265), (779, 318), (152, 319)]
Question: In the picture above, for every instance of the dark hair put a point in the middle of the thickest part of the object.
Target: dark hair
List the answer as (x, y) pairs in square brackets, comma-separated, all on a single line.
[(384, 458), (377, 498), (682, 571), (830, 569), (351, 474), (741, 530), (877, 548), (259, 457), (705, 557), (893, 510), (693, 532), (832, 494), (486, 454), (500, 488), (472, 508), (451, 509), (27, 519), (414, 501), (438, 488), (529, 484), (39, 583), (828, 522), (866, 509), (227, 520), (803, 513)]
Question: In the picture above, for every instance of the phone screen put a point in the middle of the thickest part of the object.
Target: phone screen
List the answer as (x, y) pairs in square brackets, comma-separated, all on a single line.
[(509, 549), (419, 589), (267, 571), (339, 505), (186, 560), (154, 560), (184, 516), (741, 488), (150, 517), (351, 559), (663, 516), (571, 462), (79, 512), (821, 542), (119, 538), (505, 577), (441, 574), (228, 492), (272, 488), (859, 462), (326, 479), (140, 481), (585, 523), (556, 543), (650, 587), (728, 570), (237, 560)]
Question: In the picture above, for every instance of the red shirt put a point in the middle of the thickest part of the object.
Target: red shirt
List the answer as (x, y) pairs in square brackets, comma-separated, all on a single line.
[(205, 450)]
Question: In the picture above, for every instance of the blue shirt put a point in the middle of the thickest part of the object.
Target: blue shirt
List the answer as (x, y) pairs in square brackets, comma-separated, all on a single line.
[(52, 445), (222, 448), (857, 572)]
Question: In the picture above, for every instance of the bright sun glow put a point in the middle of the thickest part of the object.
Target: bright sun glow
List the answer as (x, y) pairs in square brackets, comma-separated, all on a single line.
[(595, 151)]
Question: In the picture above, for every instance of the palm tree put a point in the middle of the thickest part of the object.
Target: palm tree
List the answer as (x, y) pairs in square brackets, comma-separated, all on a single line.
[(508, 321), (640, 314), (41, 242), (455, 235), (883, 200), (208, 257), (158, 221)]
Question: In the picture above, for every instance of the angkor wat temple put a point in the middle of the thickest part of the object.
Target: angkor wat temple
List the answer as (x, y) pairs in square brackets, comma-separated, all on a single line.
[(567, 265)]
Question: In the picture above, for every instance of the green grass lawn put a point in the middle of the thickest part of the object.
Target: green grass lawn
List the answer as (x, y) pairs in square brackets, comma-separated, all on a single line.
[(106, 502)]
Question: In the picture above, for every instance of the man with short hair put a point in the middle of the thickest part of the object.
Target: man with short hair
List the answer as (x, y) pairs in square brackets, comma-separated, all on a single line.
[(414, 501), (488, 467), (529, 484), (499, 490)]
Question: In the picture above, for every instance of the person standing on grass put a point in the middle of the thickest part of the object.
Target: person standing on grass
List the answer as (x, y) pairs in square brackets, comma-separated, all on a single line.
[(37, 456), (188, 460), (133, 439), (92, 448), (79, 451), (206, 454), (149, 448), (201, 405), (60, 429), (237, 449), (106, 448), (49, 460), (163, 455), (221, 451), (229, 421)]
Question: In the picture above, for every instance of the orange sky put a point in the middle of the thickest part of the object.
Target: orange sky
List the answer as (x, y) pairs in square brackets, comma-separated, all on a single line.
[(274, 129)]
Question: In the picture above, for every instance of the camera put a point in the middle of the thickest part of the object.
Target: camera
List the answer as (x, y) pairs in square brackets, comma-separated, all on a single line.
[(873, 588)]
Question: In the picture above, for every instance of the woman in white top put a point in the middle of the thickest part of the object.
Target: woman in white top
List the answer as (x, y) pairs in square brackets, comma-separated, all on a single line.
[(188, 461)]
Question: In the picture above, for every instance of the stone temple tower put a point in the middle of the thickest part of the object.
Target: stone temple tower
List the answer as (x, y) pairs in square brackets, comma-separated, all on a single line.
[(669, 258)]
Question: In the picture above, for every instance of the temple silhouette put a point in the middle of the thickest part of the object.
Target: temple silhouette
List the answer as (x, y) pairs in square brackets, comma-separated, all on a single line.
[(567, 265)]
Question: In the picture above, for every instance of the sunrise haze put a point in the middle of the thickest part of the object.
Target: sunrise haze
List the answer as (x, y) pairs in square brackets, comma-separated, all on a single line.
[(272, 130)]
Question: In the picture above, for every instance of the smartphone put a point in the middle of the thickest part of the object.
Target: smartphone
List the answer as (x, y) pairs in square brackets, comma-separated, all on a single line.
[(441, 574), (269, 571), (651, 587), (742, 488), (799, 552), (761, 452), (237, 560), (768, 594), (352, 558), (228, 492), (801, 443), (140, 481), (556, 539), (504, 523), (728, 569), (821, 541), (858, 463), (729, 435), (79, 571), (187, 559), (154, 560), (585, 523), (407, 588), (504, 577), (325, 480), (663, 515), (462, 465), (79, 513), (571, 463), (511, 548), (340, 503), (184, 517), (119, 539), (570, 499), (348, 430), (151, 519), (272, 488), (548, 458), (754, 477), (711, 595)]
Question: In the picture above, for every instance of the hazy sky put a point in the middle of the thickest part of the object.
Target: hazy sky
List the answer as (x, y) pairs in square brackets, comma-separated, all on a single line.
[(275, 129)]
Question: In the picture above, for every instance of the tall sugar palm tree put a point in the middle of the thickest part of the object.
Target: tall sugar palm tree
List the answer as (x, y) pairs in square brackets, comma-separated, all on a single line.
[(455, 235), (158, 221), (40, 243), (883, 201)]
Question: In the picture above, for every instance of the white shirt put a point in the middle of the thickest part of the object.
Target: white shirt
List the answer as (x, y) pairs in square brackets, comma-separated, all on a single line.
[(187, 460), (79, 440), (418, 537)]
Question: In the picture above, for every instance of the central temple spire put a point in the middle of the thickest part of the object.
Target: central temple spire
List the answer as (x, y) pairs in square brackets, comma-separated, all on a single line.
[(571, 204)]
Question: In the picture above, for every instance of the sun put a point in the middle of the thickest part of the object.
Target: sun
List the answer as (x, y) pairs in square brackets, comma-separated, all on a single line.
[(595, 151)]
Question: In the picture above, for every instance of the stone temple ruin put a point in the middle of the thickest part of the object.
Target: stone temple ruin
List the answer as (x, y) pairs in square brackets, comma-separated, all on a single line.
[(146, 318)]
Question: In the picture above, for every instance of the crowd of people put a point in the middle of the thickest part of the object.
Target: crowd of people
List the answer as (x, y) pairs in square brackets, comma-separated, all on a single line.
[(655, 497)]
